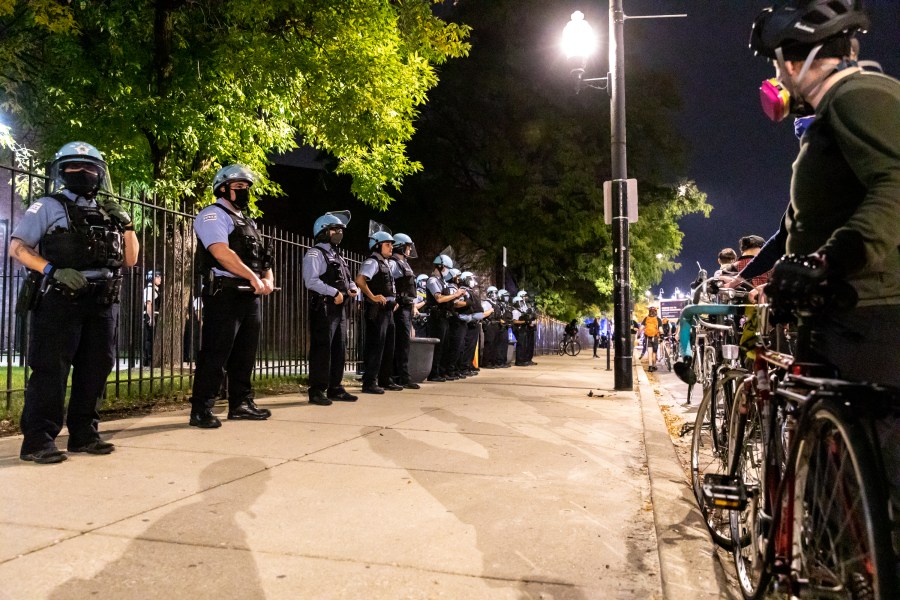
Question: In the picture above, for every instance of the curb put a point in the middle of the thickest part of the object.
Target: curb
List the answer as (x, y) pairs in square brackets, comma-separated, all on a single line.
[(689, 565)]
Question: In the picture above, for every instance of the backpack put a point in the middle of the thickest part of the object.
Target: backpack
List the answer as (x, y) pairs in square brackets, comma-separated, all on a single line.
[(651, 326)]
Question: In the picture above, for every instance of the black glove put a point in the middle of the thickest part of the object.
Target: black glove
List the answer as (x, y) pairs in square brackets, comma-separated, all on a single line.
[(70, 278), (115, 211), (801, 282)]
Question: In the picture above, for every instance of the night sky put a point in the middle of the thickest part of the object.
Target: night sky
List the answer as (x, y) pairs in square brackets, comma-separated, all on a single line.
[(738, 157)]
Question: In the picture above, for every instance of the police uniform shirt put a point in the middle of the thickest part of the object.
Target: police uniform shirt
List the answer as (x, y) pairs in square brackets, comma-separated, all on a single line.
[(213, 226), (435, 285), (315, 263), (396, 270), (370, 267), (150, 293), (46, 215)]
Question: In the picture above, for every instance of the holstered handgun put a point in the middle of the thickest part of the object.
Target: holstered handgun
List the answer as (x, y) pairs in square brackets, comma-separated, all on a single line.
[(30, 293)]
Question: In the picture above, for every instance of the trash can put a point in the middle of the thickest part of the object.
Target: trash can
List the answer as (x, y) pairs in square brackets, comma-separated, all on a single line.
[(421, 353)]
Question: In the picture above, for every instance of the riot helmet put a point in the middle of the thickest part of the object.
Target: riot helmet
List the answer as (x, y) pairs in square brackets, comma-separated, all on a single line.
[(151, 275), (329, 221), (467, 278), (443, 261), (224, 177), (377, 239), (492, 292), (402, 242), (420, 280), (80, 168), (451, 274), (503, 295)]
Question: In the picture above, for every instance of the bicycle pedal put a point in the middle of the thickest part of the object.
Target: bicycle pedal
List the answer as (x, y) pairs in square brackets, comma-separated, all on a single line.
[(724, 491)]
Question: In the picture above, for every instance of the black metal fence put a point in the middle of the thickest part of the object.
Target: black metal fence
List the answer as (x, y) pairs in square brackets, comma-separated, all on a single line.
[(156, 358)]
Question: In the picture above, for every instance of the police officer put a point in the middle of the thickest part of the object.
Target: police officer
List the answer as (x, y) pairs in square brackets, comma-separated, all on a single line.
[(405, 283), (456, 328), (420, 314), (491, 327), (327, 279), (237, 266), (522, 329), (530, 315), (439, 300), (72, 290), (377, 285), (151, 312), (472, 333), (506, 320)]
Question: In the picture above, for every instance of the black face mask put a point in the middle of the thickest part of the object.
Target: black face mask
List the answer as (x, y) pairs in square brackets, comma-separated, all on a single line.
[(82, 183), (241, 198), (336, 238)]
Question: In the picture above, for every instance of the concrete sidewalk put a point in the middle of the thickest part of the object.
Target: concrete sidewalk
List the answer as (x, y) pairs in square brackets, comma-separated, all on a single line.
[(512, 484)]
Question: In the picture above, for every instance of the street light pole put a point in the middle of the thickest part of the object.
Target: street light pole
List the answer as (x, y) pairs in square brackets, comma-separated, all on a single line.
[(621, 260)]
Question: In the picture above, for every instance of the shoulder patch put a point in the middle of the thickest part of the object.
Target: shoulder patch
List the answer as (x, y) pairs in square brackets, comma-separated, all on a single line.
[(313, 253), (34, 208), (369, 261), (210, 217)]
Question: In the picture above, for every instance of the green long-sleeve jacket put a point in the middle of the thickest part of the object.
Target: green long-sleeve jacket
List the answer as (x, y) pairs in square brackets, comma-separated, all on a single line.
[(845, 192)]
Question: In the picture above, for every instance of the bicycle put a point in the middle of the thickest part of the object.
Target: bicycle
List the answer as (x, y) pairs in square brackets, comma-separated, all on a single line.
[(569, 345), (709, 442), (806, 487)]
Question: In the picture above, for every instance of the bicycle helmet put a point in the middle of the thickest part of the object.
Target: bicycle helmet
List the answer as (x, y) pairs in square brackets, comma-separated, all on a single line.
[(797, 26)]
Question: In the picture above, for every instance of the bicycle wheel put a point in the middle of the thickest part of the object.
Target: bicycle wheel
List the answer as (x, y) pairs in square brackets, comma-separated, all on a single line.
[(667, 349), (709, 364), (573, 348), (750, 526), (709, 455), (841, 545), (561, 348)]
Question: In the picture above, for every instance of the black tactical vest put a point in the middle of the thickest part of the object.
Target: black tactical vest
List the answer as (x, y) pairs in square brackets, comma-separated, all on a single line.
[(337, 273), (473, 303), (382, 283), (430, 300), (245, 241), (92, 240), (406, 284)]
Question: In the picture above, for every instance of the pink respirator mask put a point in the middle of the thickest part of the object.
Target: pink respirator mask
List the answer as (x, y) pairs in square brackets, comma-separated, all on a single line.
[(775, 99)]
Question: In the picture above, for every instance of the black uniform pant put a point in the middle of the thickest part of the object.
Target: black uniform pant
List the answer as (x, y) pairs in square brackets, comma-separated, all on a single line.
[(473, 334), (148, 341), (327, 332), (231, 324), (379, 356), (489, 352), (521, 333), (531, 337), (502, 355), (67, 333), (437, 326), (456, 331), (402, 328)]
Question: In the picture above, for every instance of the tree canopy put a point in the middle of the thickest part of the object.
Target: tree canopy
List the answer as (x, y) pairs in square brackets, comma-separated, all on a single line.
[(513, 157), (170, 90)]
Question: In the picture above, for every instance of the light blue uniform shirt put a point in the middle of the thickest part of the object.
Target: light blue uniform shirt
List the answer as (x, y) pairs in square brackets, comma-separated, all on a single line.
[(45, 215), (435, 285), (370, 267), (315, 264), (213, 226)]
